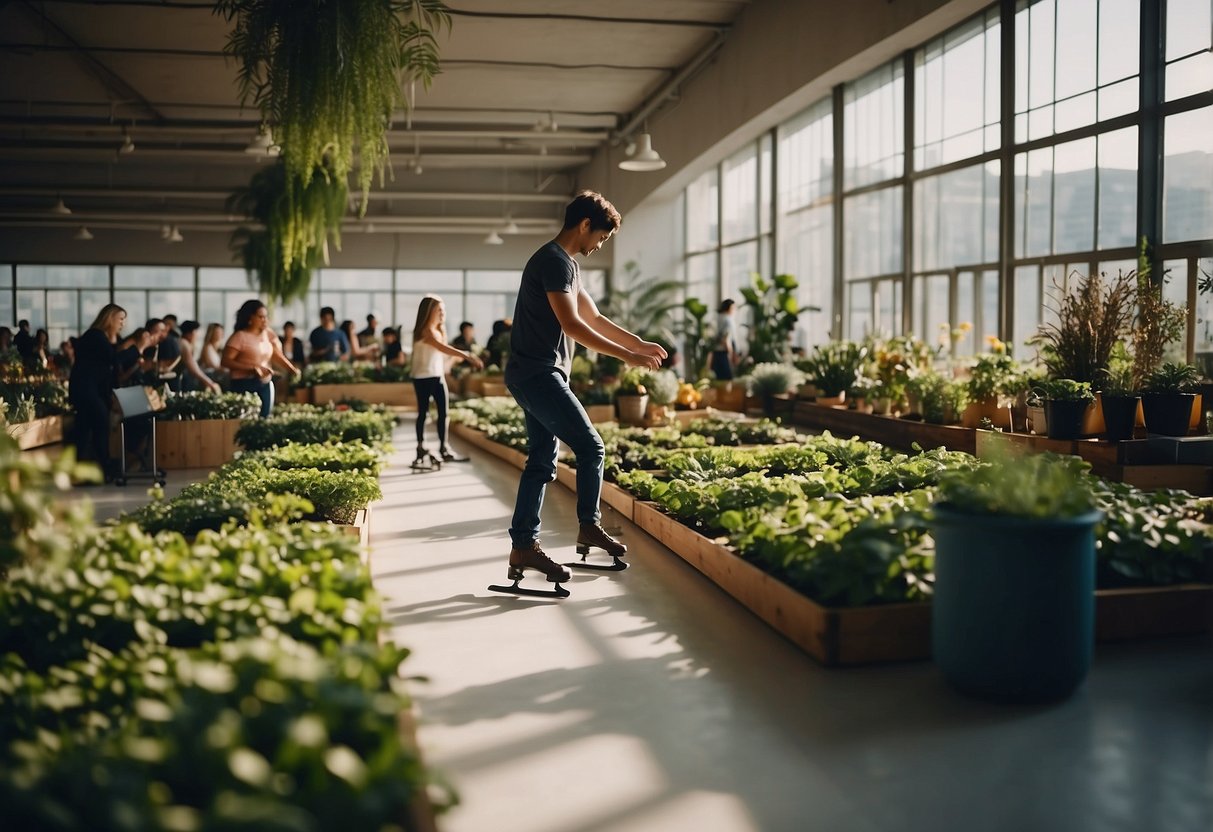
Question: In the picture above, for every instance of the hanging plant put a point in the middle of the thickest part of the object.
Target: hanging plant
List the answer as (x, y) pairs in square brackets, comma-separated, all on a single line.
[(329, 74), (295, 227)]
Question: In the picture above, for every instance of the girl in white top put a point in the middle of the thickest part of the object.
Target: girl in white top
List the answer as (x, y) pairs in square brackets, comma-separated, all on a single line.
[(428, 369)]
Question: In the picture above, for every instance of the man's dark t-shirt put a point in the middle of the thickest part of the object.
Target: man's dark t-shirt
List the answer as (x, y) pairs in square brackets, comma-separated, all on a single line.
[(537, 342), (332, 341), (170, 348)]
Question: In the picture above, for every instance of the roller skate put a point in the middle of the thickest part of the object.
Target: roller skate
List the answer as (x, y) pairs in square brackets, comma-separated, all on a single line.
[(533, 557), (425, 462), (592, 534)]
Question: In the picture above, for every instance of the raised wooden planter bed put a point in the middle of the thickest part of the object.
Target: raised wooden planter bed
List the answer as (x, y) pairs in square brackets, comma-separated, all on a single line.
[(400, 394), (838, 636), (901, 632), (34, 434), (195, 443), (600, 413), (888, 430), (361, 529)]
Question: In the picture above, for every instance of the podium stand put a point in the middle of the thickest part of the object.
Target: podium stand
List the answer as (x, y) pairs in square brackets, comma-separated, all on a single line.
[(138, 404)]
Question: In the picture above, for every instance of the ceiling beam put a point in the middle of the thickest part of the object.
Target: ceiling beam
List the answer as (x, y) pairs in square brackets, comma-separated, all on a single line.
[(375, 196), (111, 80)]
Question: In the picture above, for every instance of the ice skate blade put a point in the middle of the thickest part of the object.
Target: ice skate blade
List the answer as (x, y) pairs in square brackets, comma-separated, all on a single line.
[(616, 566), (583, 549), (514, 589)]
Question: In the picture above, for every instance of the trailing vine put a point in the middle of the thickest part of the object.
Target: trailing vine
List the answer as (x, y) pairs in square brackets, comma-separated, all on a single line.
[(327, 75)]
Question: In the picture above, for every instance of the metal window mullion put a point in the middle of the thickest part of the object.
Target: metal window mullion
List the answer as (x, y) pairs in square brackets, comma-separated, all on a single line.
[(907, 197), (1150, 134), (1006, 179), (840, 309)]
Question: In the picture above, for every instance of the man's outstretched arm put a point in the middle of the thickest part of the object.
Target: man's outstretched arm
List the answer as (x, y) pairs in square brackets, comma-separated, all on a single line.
[(565, 306)]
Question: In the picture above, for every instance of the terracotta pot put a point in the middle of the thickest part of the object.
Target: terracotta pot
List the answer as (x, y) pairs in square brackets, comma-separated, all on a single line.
[(632, 409), (832, 401)]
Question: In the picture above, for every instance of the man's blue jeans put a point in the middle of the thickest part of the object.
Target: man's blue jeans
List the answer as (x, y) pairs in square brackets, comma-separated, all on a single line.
[(553, 412)]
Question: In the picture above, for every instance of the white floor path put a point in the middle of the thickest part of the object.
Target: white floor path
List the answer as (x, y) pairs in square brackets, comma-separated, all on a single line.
[(650, 700)]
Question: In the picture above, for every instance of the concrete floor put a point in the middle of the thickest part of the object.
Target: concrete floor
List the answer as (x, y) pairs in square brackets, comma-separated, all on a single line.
[(650, 700)]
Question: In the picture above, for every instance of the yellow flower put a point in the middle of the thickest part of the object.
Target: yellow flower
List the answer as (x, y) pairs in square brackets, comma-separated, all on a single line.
[(965, 326), (992, 340)]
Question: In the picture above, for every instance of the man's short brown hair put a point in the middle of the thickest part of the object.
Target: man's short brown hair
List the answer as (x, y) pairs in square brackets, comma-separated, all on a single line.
[(592, 206)]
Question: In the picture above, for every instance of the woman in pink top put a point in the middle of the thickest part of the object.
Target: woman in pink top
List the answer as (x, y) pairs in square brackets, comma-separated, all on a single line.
[(250, 351)]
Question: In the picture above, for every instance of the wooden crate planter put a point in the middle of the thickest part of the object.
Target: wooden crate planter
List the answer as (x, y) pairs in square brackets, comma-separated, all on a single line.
[(195, 443), (600, 413), (888, 430), (495, 387), (34, 434), (361, 529), (619, 499), (399, 394)]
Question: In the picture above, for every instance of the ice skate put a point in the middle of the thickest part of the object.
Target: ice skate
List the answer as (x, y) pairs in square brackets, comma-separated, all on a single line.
[(449, 455), (593, 535), (533, 557), (425, 462)]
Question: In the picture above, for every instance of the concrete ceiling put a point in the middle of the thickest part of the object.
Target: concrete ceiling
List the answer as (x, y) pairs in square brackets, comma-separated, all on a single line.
[(529, 90)]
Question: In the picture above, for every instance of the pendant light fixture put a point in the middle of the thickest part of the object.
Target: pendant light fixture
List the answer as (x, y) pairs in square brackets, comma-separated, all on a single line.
[(645, 158), (493, 239), (61, 209), (263, 144), (83, 234)]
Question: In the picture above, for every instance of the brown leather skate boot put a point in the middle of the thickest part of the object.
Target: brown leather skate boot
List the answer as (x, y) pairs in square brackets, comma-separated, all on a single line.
[(592, 534), (534, 558)]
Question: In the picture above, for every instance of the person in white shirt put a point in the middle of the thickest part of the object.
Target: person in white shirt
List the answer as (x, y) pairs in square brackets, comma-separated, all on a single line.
[(428, 369)]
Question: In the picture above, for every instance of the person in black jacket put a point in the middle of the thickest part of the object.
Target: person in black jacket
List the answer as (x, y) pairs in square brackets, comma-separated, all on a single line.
[(92, 385)]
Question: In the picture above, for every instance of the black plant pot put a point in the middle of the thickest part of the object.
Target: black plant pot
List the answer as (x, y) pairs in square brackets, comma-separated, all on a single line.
[(1168, 414), (1064, 417), (1119, 416)]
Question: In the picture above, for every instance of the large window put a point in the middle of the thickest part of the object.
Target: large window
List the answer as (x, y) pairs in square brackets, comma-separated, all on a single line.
[(1188, 176), (873, 126), (956, 218), (806, 217), (1077, 64), (957, 94), (63, 300), (1189, 55)]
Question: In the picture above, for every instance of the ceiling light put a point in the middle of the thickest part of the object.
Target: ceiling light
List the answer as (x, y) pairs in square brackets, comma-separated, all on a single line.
[(128, 146), (263, 144), (174, 235), (645, 158), (511, 227), (494, 239), (417, 166), (82, 233), (60, 208), (165, 232)]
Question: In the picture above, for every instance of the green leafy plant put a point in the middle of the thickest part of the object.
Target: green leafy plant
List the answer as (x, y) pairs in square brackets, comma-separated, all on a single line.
[(833, 367), (632, 382), (943, 399), (697, 345), (1039, 486), (207, 405), (1117, 377), (1063, 390), (327, 76), (774, 311), (662, 386), (1173, 378), (994, 375), (643, 305), (306, 424), (773, 378)]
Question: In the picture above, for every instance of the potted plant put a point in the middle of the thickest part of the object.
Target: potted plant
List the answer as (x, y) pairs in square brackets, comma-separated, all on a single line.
[(632, 397), (1013, 612), (882, 402), (1119, 401), (992, 384), (942, 398), (860, 393), (599, 403), (1168, 399), (770, 380), (1065, 404), (774, 311), (662, 386), (833, 368)]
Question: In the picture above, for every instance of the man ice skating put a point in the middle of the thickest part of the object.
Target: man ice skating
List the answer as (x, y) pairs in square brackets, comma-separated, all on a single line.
[(552, 308)]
